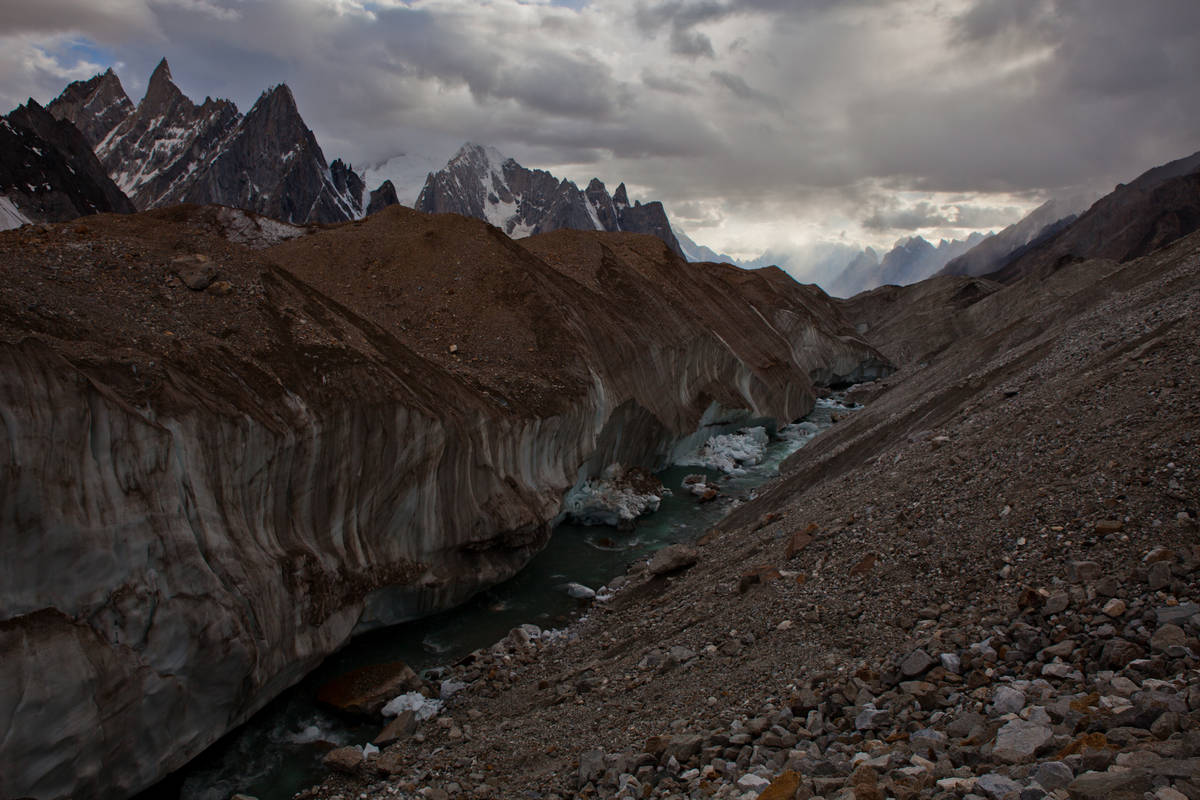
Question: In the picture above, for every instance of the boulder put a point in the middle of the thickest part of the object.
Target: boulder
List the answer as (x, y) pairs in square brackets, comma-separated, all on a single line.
[(1018, 741), (1130, 785), (347, 760), (403, 726), (918, 662), (368, 689), (673, 558)]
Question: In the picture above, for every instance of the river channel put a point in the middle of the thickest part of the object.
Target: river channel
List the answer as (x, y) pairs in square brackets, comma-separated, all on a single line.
[(278, 751)]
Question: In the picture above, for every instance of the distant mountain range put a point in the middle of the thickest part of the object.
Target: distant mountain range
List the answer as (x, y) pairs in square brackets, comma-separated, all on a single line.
[(480, 182), (844, 270), (168, 150)]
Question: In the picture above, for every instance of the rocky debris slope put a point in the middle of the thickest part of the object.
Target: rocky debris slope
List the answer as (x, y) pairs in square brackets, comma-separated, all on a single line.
[(983, 585), (1155, 209), (169, 150), (219, 462), (479, 182), (1031, 230), (48, 172)]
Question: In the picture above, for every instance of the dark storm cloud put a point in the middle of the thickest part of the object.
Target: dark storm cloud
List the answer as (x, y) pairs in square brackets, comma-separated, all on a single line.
[(922, 215), (117, 19), (664, 83), (1077, 91), (889, 214), (737, 84)]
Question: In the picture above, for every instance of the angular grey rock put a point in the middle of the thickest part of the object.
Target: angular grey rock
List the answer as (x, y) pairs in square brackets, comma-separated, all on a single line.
[(1018, 741), (1083, 571), (996, 785), (966, 724), (927, 739), (1176, 615), (683, 747), (591, 766), (916, 663), (1053, 775), (1008, 700), (1056, 603), (872, 718), (951, 662), (1167, 636), (1130, 785), (1118, 652)]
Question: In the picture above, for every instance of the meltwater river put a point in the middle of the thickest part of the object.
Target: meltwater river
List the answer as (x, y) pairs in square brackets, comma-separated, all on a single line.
[(278, 751)]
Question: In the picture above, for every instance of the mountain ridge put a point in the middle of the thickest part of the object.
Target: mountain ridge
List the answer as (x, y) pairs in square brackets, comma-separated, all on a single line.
[(480, 182), (168, 150), (48, 172)]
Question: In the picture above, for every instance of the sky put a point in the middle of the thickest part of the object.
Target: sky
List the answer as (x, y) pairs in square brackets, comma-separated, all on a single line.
[(762, 125)]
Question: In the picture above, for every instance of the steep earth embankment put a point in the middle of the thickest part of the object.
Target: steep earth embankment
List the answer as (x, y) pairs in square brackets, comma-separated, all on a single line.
[(1135, 219), (983, 584), (220, 462)]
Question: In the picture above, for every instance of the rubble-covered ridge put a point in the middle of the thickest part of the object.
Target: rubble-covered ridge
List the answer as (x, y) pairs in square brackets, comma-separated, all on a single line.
[(983, 585)]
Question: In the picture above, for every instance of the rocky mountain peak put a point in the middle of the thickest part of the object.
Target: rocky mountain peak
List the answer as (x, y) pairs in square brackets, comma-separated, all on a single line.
[(914, 244), (48, 171), (480, 182), (275, 119), (382, 197), (94, 106), (276, 101), (620, 196), (161, 93)]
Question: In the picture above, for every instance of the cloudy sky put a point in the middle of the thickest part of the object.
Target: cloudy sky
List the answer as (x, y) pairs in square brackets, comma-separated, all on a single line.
[(762, 124)]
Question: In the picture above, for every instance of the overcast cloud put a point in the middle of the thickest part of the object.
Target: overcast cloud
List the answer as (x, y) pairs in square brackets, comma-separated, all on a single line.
[(760, 123)]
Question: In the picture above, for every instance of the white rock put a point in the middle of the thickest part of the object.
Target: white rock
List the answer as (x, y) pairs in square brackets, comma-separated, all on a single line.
[(1008, 700), (1019, 740), (752, 782), (579, 591)]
